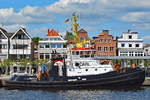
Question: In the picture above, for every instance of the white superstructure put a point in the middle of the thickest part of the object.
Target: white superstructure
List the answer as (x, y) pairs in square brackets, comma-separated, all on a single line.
[(83, 67)]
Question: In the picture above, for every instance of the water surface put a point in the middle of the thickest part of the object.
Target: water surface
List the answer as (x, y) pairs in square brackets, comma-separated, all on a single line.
[(134, 94)]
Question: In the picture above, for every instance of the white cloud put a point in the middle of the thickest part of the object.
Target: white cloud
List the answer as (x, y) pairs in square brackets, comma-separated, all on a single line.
[(146, 38), (14, 27), (136, 17), (40, 31), (99, 10), (143, 26)]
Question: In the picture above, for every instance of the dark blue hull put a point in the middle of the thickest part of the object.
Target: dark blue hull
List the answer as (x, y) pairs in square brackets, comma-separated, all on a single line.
[(129, 79)]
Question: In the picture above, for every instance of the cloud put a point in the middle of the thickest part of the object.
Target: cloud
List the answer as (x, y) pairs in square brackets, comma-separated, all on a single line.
[(146, 39), (143, 26), (40, 31), (91, 12), (14, 27), (136, 17)]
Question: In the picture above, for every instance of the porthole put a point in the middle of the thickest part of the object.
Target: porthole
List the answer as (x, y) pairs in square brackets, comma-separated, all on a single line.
[(96, 69), (86, 69)]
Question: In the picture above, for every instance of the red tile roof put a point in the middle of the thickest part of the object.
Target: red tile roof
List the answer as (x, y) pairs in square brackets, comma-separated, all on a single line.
[(52, 33)]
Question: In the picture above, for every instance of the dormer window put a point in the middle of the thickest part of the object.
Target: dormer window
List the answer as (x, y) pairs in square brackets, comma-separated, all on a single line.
[(130, 36)]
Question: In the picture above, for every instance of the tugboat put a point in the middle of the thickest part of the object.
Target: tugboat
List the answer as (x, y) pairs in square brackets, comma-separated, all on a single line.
[(80, 74)]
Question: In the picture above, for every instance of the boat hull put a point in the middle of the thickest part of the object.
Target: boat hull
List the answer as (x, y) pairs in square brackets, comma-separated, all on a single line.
[(131, 78)]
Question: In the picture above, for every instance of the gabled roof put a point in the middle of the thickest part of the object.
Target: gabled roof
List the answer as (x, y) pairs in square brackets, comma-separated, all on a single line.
[(23, 30), (82, 31), (4, 32), (52, 33), (100, 34)]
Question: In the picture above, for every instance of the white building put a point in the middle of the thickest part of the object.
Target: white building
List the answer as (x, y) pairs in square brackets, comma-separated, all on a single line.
[(130, 45), (147, 50), (53, 41), (20, 45), (4, 40)]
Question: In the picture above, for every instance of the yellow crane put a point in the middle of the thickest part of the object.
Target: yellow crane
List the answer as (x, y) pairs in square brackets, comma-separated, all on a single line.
[(74, 29)]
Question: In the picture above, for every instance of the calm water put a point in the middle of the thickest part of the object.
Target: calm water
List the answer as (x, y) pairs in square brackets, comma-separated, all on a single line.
[(140, 94)]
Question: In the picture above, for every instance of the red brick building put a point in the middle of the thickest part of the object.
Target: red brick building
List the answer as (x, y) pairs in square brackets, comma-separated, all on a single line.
[(104, 44)]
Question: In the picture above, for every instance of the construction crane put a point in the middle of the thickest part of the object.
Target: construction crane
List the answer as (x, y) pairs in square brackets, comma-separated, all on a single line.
[(74, 29)]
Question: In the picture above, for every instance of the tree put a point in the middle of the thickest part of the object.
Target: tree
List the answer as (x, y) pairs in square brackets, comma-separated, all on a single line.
[(69, 36), (36, 40)]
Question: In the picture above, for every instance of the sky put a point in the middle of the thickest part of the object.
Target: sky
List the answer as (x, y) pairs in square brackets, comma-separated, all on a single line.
[(37, 16)]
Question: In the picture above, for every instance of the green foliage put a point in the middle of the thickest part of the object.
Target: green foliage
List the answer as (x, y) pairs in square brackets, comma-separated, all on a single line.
[(36, 40), (6, 63), (69, 36), (25, 62)]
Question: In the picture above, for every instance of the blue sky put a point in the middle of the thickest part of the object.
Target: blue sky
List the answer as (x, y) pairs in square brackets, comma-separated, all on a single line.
[(94, 15)]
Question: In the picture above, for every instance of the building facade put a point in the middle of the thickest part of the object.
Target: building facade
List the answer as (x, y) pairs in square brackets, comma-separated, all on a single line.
[(52, 42), (16, 45), (4, 44), (130, 45), (147, 49), (104, 44)]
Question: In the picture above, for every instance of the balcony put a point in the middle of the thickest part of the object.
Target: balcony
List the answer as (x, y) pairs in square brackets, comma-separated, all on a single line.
[(20, 51)]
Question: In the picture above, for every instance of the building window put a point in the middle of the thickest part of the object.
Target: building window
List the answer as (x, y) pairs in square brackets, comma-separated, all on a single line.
[(53, 46), (137, 45), (46, 56), (3, 46), (104, 40), (130, 45), (2, 36), (131, 53), (41, 45), (47, 46), (108, 40), (20, 46), (130, 36), (41, 56), (58, 45), (111, 49), (122, 45), (99, 48), (105, 49), (101, 40)]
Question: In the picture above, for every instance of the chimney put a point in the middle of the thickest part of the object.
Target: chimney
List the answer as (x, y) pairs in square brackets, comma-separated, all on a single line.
[(129, 30), (48, 31), (105, 32)]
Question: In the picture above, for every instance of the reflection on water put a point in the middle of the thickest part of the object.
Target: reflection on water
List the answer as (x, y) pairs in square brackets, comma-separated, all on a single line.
[(136, 94)]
